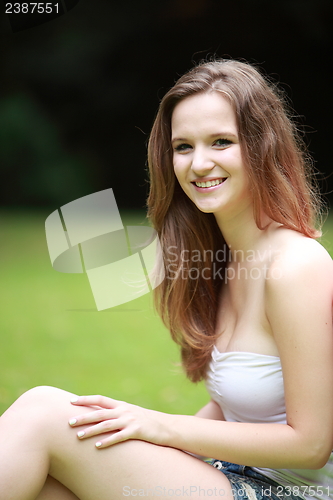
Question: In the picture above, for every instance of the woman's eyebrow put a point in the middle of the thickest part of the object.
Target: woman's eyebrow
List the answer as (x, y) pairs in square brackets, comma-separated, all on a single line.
[(176, 139), (224, 133), (217, 134)]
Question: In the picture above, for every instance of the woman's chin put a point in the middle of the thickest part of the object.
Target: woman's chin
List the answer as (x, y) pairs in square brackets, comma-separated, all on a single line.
[(207, 209)]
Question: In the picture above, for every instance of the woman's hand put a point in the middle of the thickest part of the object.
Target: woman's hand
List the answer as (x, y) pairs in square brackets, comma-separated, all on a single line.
[(125, 421)]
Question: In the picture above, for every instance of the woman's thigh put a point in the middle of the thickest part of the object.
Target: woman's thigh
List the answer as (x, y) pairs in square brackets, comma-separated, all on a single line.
[(53, 490), (136, 469), (128, 469)]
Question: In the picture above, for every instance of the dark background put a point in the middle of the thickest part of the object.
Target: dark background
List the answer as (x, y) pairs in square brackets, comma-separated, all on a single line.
[(78, 94)]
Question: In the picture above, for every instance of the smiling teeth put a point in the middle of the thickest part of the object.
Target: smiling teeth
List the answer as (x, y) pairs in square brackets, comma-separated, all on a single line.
[(209, 183)]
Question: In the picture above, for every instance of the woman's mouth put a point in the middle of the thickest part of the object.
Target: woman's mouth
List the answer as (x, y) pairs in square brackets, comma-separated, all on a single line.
[(209, 184)]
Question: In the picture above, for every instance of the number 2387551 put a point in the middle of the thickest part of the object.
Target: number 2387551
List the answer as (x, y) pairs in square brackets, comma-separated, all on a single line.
[(32, 8)]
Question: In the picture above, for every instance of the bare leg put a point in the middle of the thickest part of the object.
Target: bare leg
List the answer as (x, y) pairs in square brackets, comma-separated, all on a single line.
[(53, 490), (36, 440)]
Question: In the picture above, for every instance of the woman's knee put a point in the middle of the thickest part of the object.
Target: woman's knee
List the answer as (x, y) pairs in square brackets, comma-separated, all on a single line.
[(42, 396), (44, 393), (39, 403)]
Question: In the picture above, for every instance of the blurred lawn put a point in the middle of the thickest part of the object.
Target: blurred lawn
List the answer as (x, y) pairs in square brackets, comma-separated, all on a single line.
[(51, 333)]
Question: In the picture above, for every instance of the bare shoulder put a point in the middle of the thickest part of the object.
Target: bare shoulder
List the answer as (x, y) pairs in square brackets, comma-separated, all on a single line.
[(299, 294), (298, 259)]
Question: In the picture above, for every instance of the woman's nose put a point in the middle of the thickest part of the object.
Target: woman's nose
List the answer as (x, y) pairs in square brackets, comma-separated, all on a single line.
[(201, 162)]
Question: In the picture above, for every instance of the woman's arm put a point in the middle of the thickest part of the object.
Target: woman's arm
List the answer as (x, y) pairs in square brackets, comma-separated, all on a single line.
[(211, 411), (299, 309)]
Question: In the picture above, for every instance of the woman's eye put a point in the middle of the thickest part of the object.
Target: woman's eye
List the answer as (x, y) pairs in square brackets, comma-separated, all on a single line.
[(182, 147), (222, 142)]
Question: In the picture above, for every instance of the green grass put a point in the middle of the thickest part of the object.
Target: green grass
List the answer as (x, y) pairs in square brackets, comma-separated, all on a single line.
[(52, 334)]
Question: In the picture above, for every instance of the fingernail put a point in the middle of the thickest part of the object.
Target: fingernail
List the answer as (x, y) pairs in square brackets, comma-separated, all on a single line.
[(72, 421), (80, 434), (98, 444), (74, 399)]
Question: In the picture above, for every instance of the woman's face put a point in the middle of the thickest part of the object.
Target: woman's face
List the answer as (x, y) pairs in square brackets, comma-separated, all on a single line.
[(207, 155)]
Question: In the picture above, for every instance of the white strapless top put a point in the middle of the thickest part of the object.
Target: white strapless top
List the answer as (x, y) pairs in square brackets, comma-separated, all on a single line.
[(249, 388)]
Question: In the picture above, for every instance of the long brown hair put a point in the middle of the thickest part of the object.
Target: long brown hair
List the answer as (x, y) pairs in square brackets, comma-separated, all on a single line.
[(281, 183)]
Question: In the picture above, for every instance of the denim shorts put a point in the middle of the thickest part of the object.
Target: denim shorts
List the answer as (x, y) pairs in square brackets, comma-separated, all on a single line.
[(247, 484)]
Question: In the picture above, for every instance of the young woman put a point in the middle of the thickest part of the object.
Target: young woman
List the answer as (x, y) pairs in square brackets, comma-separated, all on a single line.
[(247, 295)]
